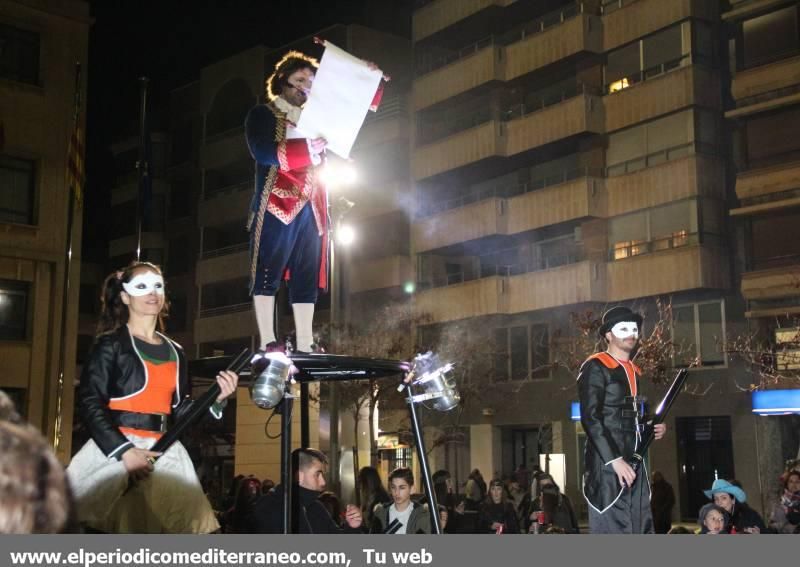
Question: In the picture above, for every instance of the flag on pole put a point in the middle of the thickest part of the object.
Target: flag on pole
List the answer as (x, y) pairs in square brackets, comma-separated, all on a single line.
[(75, 164)]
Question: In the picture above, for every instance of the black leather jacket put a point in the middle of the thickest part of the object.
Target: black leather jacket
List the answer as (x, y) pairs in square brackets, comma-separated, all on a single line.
[(609, 418), (115, 370)]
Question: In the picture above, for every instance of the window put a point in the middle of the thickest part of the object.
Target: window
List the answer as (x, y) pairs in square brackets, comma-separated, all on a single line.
[(19, 55), (652, 230), (770, 37), (772, 138), (17, 184), (648, 57), (522, 352), (787, 348), (771, 248), (14, 307), (225, 294), (658, 141), (699, 330)]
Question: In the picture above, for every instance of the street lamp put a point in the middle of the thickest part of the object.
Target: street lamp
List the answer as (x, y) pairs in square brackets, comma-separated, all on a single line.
[(336, 175)]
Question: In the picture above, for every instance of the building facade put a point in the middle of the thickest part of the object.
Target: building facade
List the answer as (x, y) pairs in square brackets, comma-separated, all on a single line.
[(41, 42), (569, 156)]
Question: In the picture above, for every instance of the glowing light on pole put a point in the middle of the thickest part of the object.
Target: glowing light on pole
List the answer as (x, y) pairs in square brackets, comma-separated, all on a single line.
[(346, 235)]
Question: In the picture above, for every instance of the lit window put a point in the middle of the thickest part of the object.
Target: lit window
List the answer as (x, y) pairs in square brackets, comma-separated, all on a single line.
[(618, 85)]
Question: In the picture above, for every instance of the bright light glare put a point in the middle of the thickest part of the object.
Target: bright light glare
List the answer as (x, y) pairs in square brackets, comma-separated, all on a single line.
[(337, 174), (409, 287), (346, 236)]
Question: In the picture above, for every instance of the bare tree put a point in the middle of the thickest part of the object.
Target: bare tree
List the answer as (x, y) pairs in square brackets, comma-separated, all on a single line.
[(771, 360), (657, 353)]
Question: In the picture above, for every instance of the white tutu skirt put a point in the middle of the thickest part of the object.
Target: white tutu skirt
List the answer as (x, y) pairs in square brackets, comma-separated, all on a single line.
[(170, 500)]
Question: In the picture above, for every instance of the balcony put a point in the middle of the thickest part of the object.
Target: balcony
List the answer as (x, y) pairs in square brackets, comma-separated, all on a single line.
[(581, 33), (627, 20), (468, 146), (767, 181), (483, 65), (575, 198), (511, 209), (441, 14), (382, 273), (533, 126), (486, 296), (224, 323), (767, 78), (223, 148), (668, 271), (665, 89), (665, 181), (389, 123), (477, 220), (773, 283), (225, 204), (223, 264), (566, 285)]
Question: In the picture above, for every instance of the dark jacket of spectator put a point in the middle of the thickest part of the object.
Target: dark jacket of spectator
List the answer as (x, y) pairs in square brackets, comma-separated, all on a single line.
[(662, 500), (310, 515)]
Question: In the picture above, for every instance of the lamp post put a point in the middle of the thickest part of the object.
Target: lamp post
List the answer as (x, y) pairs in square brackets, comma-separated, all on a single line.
[(336, 175)]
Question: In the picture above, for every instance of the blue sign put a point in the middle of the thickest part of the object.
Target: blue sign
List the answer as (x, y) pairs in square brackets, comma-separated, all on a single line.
[(776, 402), (575, 411)]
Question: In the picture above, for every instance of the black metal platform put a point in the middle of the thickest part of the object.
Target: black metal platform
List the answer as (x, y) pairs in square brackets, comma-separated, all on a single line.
[(313, 367)]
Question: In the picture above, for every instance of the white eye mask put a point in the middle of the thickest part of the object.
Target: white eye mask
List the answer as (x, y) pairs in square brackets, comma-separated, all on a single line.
[(144, 284), (625, 329)]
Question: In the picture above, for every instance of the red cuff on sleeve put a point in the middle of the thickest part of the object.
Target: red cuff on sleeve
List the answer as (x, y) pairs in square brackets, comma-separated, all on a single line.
[(376, 100), (293, 154)]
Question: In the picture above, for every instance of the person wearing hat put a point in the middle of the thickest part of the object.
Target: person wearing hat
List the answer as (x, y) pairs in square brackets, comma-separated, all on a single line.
[(608, 389), (288, 217), (727, 494)]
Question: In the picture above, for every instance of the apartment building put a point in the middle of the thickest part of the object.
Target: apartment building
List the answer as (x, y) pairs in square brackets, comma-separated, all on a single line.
[(41, 41), (568, 156), (763, 111)]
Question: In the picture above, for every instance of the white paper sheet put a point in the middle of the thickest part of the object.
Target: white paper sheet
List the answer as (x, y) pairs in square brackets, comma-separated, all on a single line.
[(344, 87)]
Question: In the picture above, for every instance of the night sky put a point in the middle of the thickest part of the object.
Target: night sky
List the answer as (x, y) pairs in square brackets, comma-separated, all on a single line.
[(169, 41)]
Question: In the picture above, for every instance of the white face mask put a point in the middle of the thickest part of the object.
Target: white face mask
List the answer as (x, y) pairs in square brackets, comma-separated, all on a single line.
[(625, 330), (144, 284)]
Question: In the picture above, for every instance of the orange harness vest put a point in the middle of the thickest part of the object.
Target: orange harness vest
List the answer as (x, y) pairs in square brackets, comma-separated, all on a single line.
[(631, 370), (155, 397)]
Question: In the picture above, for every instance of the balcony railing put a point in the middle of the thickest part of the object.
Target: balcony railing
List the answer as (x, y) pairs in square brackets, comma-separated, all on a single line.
[(661, 156), (519, 33), (217, 252), (649, 73), (609, 6), (429, 132), (506, 191), (785, 261), (520, 110), (629, 249), (491, 269), (235, 188), (225, 309)]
